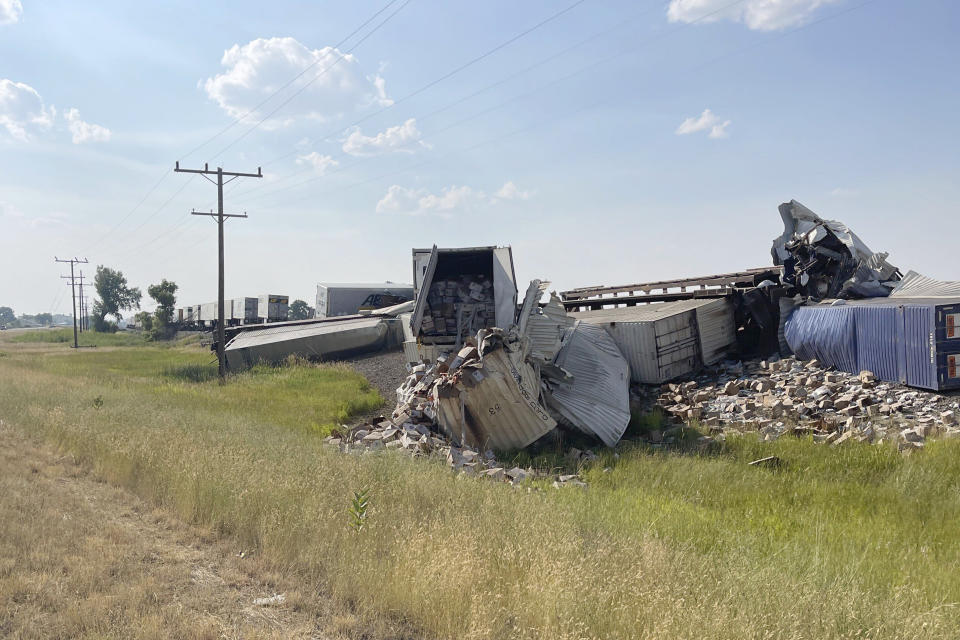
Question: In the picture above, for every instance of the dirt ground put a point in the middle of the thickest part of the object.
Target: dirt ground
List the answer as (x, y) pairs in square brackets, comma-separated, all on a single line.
[(80, 558)]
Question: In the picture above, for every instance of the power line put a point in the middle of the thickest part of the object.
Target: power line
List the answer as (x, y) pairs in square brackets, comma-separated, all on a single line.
[(314, 79), (236, 121), (632, 49), (540, 123), (420, 118), (273, 94), (448, 75), (220, 216), (72, 261)]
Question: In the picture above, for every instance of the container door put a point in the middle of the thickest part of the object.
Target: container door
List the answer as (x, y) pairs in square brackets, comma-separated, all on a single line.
[(421, 257), (420, 307), (504, 287)]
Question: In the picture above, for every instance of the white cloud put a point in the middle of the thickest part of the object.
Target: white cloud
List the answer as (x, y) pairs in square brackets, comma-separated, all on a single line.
[(706, 121), (760, 15), (10, 11), (420, 201), (321, 164), (510, 191), (22, 111), (85, 131), (257, 69), (403, 138)]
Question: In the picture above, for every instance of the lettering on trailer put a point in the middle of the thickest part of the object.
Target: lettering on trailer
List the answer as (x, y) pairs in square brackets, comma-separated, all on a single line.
[(527, 397), (953, 325)]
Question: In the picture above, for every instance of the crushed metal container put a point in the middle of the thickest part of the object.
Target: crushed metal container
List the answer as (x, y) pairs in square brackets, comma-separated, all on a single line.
[(666, 340), (825, 259), (494, 402), (914, 341), (594, 396)]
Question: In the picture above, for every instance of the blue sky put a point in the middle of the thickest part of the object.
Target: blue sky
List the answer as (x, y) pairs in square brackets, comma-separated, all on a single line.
[(648, 140)]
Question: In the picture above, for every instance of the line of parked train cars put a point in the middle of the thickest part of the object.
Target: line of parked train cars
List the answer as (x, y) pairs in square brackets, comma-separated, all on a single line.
[(237, 311)]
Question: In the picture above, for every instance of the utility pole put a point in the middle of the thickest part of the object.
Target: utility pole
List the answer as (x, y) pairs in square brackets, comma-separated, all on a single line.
[(73, 293), (80, 300), (220, 216)]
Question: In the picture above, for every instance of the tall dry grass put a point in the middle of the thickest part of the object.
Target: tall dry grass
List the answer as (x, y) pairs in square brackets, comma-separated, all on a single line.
[(853, 542)]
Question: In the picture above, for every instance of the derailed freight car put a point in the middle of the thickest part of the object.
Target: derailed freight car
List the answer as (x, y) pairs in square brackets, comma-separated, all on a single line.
[(666, 340), (914, 341)]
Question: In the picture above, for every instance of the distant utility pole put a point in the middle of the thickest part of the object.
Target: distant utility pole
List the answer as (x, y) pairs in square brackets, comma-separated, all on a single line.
[(220, 216), (73, 293), (80, 300)]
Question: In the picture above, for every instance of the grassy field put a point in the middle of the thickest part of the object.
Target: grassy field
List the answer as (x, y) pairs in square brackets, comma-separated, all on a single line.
[(848, 542), (84, 338)]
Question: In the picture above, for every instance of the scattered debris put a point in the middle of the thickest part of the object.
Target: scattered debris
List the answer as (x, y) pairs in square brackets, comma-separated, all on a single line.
[(769, 462), (787, 396), (277, 598), (825, 259), (419, 438)]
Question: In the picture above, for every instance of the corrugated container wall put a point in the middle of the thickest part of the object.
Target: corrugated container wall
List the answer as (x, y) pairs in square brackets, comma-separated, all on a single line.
[(663, 341), (912, 341)]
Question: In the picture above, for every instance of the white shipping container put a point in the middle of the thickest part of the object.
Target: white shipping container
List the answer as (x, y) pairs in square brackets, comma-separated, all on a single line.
[(272, 307), (208, 313), (666, 340), (492, 263), (243, 310), (343, 299)]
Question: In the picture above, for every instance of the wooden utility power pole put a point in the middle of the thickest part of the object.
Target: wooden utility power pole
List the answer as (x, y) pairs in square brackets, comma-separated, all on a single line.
[(220, 216), (73, 293), (80, 300)]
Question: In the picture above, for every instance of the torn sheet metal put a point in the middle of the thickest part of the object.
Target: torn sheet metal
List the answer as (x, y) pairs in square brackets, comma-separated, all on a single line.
[(595, 398), (274, 344), (543, 326), (915, 285), (825, 259), (494, 401)]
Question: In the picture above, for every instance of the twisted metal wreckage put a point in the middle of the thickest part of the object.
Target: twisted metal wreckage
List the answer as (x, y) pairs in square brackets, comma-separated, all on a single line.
[(494, 374)]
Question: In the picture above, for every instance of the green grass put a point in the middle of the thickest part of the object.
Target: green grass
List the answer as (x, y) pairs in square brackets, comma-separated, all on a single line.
[(84, 339), (855, 541)]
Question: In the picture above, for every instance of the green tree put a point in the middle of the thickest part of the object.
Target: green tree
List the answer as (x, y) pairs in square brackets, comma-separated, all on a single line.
[(115, 296), (7, 316), (165, 295), (145, 320), (44, 318), (299, 310)]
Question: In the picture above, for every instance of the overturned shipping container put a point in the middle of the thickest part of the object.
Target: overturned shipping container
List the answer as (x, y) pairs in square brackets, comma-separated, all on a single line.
[(913, 341), (663, 341), (319, 340)]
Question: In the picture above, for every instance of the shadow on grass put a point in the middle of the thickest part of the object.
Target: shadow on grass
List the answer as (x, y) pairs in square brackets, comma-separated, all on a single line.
[(192, 372)]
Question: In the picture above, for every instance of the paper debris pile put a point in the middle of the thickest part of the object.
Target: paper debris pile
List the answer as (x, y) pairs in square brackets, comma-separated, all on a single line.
[(793, 397), (416, 438), (459, 306)]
